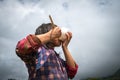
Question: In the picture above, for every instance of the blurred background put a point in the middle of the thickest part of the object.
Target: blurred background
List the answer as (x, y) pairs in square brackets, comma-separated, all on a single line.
[(95, 25)]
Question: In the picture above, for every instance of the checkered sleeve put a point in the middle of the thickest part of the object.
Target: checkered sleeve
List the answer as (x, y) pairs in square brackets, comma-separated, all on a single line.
[(27, 45), (71, 71)]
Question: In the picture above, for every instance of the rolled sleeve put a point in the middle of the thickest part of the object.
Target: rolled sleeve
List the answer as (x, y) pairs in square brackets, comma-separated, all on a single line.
[(71, 71), (27, 45)]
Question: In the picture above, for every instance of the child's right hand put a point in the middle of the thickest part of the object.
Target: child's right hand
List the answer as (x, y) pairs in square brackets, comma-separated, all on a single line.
[(55, 33)]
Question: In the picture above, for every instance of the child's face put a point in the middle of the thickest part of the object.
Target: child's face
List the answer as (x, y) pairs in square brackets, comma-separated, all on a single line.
[(57, 42)]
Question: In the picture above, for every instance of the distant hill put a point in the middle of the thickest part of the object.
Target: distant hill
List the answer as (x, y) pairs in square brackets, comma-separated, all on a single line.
[(115, 76)]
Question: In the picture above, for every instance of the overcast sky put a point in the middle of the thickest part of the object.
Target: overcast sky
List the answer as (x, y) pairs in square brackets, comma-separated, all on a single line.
[(95, 25)]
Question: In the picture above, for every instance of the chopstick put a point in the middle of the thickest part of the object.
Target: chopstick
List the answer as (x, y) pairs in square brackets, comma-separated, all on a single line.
[(53, 26)]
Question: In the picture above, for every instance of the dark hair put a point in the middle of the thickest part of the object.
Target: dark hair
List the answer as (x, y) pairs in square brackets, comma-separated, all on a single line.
[(44, 28)]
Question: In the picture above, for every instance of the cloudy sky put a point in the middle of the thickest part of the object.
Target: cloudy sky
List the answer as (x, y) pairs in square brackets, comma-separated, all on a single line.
[(95, 45)]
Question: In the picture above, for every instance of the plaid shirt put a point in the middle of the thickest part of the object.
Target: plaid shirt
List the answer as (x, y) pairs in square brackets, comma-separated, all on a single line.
[(43, 63)]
